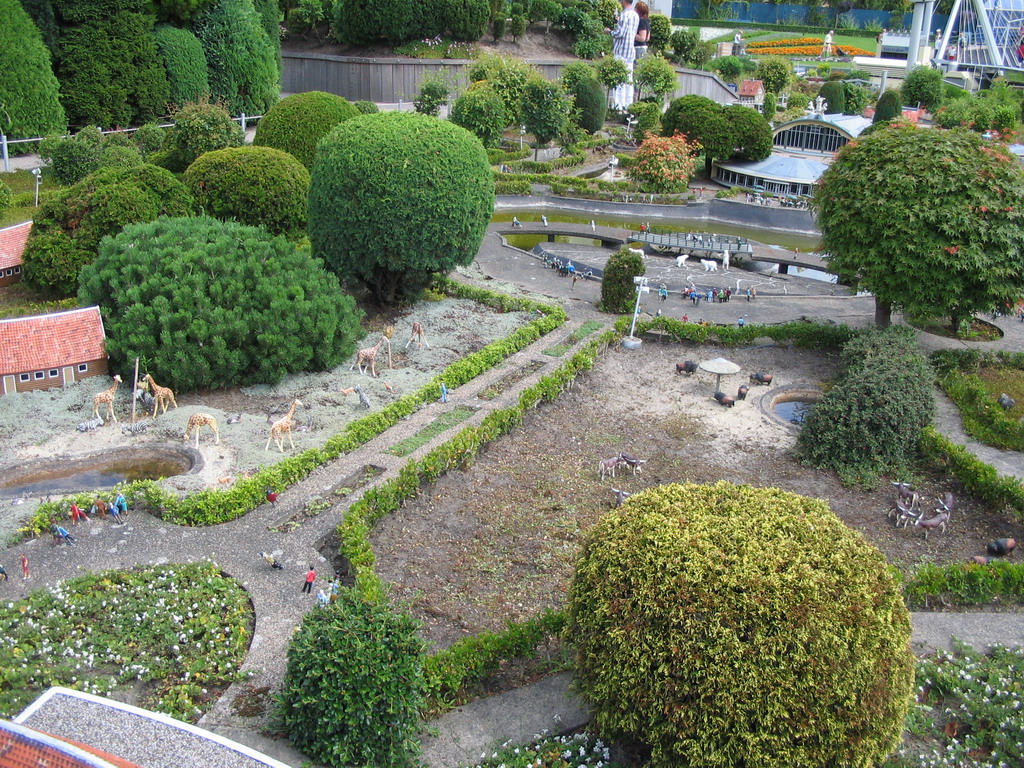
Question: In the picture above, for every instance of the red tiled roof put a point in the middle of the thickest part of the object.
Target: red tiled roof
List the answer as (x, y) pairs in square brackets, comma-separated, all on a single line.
[(51, 341), (750, 87), (23, 747), (12, 244)]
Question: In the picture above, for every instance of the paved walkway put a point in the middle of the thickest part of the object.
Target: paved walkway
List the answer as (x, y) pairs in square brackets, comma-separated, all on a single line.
[(278, 603)]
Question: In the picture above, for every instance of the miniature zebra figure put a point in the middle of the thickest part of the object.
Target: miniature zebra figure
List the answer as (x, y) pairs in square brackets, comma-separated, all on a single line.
[(363, 399), (134, 429), (90, 425)]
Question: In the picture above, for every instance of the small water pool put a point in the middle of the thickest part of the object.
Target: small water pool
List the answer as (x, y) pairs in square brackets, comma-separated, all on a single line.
[(790, 404), (794, 411), (97, 471)]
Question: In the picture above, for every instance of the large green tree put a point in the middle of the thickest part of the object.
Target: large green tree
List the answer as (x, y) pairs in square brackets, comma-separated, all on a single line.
[(929, 221), (296, 124), (208, 303), (29, 99), (732, 626), (185, 62), (397, 198), (704, 121), (752, 135), (481, 110), (545, 111), (923, 85)]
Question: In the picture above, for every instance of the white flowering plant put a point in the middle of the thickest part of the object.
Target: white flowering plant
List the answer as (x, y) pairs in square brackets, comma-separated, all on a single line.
[(575, 751), (183, 629)]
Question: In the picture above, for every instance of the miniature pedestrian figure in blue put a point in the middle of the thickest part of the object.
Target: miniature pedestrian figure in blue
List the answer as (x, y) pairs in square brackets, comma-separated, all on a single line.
[(444, 393), (60, 533), (663, 292), (741, 322), (115, 513), (121, 504)]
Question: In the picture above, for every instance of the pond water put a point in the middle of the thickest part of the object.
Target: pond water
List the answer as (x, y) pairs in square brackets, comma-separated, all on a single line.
[(98, 474), (794, 411)]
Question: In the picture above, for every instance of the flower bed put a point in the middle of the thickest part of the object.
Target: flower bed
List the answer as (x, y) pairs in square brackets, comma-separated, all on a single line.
[(184, 629), (802, 46)]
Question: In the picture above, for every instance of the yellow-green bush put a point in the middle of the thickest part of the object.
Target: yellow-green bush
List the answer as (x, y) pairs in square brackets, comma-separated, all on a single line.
[(726, 625)]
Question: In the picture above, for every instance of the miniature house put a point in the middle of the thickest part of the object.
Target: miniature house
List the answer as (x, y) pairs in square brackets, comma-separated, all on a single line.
[(12, 246), (751, 93), (54, 350)]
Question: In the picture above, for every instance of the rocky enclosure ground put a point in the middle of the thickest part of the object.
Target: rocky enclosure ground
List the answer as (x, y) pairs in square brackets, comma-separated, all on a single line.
[(37, 425), (496, 542)]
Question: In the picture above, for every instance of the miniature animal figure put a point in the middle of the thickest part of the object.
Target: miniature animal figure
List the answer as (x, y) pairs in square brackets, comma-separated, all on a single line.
[(134, 429), (933, 523), (363, 399), (946, 503), (388, 387), (234, 419), (1006, 401), (1001, 547), (162, 395), (593, 226), (144, 398), (367, 358), (904, 513), (271, 561), (681, 259), (418, 335), (761, 378), (282, 427), (106, 398), (981, 560), (689, 367), (724, 399), (607, 466), (196, 422), (544, 219), (620, 496), (741, 393), (907, 494), (710, 265), (631, 461), (89, 426)]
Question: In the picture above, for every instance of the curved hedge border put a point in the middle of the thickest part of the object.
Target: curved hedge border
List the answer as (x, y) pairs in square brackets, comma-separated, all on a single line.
[(210, 507), (964, 584), (803, 334), (983, 418)]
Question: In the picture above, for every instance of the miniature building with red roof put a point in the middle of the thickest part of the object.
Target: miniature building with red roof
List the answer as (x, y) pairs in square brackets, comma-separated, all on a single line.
[(12, 246), (751, 93), (22, 747), (54, 350)]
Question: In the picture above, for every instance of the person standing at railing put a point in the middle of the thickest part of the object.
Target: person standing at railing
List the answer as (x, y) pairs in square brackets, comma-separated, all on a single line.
[(623, 40)]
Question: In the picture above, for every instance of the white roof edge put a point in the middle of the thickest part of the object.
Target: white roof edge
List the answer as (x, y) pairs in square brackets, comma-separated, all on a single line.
[(64, 746), (15, 226), (55, 314), (155, 716)]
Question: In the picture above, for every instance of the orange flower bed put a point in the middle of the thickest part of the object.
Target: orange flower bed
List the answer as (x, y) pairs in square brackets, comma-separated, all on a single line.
[(806, 50), (788, 42)]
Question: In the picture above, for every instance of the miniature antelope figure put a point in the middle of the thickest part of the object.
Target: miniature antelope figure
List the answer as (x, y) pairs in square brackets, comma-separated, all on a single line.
[(905, 513), (620, 496), (419, 336), (196, 422), (607, 466), (631, 461), (367, 358), (161, 395), (106, 398), (932, 523), (282, 427), (907, 494)]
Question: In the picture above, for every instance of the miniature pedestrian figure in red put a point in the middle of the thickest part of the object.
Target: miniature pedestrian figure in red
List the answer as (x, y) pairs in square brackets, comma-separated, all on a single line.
[(271, 496), (77, 513), (24, 566), (310, 579)]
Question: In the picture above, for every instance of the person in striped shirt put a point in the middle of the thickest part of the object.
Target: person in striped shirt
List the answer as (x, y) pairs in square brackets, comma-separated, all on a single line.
[(623, 37)]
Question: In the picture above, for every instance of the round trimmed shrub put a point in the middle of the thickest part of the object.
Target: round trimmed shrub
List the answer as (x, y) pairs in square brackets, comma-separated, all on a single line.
[(201, 128), (890, 105), (354, 685), (183, 58), (70, 225), (924, 85), (260, 186), (366, 107), (397, 198), (834, 95), (244, 69), (28, 89), (618, 292), (296, 124), (208, 304), (72, 158), (591, 105), (481, 111), (727, 625)]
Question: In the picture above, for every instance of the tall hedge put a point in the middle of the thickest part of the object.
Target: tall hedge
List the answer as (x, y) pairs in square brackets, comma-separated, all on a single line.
[(618, 291), (185, 63), (41, 12), (296, 124), (870, 422), (28, 88), (834, 95), (467, 19), (890, 105), (725, 625), (260, 186), (397, 198), (591, 105), (243, 62), (68, 229), (354, 685), (360, 23), (111, 72)]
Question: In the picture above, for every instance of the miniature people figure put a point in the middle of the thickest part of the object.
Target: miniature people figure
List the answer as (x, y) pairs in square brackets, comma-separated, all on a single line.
[(121, 504), (444, 393), (271, 561), (748, 294), (62, 533), (686, 318), (310, 579), (516, 223), (24, 567), (321, 597), (741, 322), (76, 513), (3, 573), (663, 292)]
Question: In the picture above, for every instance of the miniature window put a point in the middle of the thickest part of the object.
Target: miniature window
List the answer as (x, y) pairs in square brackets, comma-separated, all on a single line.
[(40, 375), (10, 272), (54, 373), (17, 270), (82, 367), (24, 377)]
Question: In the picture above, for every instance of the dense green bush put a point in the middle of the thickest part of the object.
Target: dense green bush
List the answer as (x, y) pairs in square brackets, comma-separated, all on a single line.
[(433, 93), (150, 138), (72, 158), (923, 85), (243, 62), (591, 105), (726, 625), (296, 124), (648, 119), (70, 225), (28, 88), (752, 135), (661, 33), (467, 19), (183, 58), (482, 112), (508, 75), (770, 106), (870, 422), (200, 128), (397, 198), (775, 72), (983, 418), (353, 686), (361, 23), (41, 12), (111, 73), (574, 72), (890, 105), (618, 292), (366, 107), (834, 95), (5, 197), (212, 304), (965, 584), (259, 186)]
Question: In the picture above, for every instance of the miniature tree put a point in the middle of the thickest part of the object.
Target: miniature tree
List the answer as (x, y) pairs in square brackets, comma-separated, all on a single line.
[(297, 123), (617, 287), (923, 85), (726, 625), (701, 120), (834, 95), (397, 198), (890, 105), (664, 164), (481, 111), (545, 111), (774, 72)]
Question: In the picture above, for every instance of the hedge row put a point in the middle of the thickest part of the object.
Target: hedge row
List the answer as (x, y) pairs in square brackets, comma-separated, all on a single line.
[(802, 334), (983, 418), (211, 507), (964, 584), (980, 479), (546, 166)]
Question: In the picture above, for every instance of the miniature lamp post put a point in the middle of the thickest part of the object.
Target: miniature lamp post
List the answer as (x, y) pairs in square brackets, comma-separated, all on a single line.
[(39, 175), (631, 342), (522, 133)]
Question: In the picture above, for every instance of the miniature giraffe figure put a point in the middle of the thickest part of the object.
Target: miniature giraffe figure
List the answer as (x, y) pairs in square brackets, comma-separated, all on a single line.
[(161, 395), (418, 335), (106, 398), (367, 358), (199, 420), (281, 427)]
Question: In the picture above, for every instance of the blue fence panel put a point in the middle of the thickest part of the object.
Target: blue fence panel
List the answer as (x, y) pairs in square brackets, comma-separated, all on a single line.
[(789, 13)]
